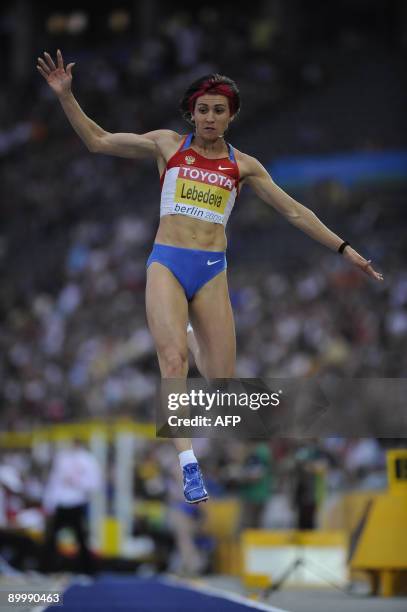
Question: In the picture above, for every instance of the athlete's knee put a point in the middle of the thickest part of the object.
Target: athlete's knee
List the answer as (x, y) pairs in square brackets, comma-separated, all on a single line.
[(173, 361)]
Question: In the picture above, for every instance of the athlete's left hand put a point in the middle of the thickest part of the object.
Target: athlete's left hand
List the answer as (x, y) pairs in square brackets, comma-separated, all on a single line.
[(362, 263)]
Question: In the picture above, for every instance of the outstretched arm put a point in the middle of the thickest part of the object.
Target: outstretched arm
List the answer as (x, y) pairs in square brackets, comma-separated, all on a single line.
[(299, 215), (95, 138)]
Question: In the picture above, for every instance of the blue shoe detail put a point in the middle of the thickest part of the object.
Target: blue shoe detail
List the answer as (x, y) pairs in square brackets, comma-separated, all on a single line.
[(194, 488)]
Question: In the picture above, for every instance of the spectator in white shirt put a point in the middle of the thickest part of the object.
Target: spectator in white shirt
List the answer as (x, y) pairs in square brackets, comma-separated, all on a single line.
[(75, 476)]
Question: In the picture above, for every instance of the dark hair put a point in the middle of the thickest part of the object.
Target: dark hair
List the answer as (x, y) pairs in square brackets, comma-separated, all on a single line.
[(208, 84)]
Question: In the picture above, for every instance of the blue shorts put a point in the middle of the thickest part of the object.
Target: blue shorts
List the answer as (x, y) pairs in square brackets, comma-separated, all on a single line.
[(192, 268)]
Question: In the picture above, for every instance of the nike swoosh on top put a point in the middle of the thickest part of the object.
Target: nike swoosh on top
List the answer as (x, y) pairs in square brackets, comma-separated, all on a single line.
[(210, 263), (224, 168)]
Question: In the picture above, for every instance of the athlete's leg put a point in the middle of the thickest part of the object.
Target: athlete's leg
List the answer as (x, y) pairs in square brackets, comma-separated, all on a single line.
[(213, 341), (167, 314), (167, 311)]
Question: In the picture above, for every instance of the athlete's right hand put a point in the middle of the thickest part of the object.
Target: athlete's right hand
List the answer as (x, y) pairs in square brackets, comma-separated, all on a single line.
[(57, 77)]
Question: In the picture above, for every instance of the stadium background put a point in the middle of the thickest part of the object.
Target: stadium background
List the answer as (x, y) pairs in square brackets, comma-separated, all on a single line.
[(323, 90)]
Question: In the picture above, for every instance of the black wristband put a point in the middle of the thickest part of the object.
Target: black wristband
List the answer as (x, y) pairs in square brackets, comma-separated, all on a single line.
[(342, 247)]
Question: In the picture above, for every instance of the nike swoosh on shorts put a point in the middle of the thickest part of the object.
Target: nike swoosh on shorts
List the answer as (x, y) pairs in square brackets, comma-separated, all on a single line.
[(210, 263)]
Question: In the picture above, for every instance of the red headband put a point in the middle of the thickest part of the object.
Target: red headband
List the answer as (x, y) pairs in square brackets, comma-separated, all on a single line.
[(215, 88)]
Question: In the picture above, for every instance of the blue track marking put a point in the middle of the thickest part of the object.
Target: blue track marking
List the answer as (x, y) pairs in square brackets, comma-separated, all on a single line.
[(125, 594)]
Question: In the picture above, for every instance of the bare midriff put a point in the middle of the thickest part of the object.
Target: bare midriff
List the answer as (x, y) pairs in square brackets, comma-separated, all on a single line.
[(181, 231)]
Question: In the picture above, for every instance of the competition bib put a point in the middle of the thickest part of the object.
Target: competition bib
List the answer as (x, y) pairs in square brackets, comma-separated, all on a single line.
[(198, 191)]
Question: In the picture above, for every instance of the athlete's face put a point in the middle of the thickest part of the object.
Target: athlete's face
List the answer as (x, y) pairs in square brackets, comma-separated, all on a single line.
[(211, 116)]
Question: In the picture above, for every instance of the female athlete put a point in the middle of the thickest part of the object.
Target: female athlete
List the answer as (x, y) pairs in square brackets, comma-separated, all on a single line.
[(201, 175)]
